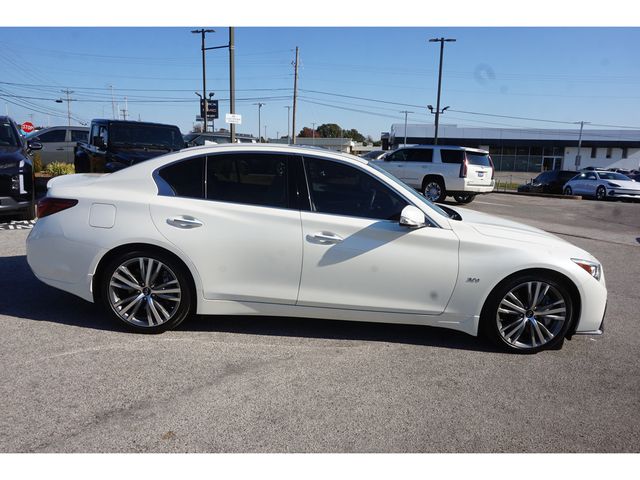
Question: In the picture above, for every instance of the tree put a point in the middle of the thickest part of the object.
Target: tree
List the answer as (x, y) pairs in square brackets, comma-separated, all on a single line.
[(329, 130), (307, 132)]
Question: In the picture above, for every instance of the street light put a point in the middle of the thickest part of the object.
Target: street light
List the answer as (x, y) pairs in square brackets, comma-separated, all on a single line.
[(438, 112), (203, 32), (260, 105)]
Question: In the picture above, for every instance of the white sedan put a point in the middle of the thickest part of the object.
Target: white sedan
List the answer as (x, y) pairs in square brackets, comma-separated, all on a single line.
[(603, 185), (290, 231)]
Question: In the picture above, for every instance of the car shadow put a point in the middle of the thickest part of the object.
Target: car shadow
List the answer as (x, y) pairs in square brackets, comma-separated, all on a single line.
[(25, 297)]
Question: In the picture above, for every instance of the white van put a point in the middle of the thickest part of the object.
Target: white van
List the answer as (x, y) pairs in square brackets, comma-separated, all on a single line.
[(439, 170)]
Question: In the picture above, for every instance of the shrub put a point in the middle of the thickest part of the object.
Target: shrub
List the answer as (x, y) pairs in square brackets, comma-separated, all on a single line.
[(37, 162), (59, 168)]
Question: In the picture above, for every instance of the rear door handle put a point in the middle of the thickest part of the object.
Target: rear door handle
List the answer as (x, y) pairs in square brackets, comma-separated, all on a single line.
[(185, 222), (327, 238), (60, 149)]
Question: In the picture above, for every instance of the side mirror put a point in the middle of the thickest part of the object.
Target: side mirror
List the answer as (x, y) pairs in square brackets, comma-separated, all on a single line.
[(412, 217), (32, 146)]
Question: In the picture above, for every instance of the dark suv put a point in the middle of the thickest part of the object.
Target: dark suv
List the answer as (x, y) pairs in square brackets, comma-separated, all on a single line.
[(548, 182), (16, 171)]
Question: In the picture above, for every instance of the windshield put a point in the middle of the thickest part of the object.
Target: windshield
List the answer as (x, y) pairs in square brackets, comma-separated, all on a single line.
[(612, 176), (415, 195), (8, 137), (190, 136), (146, 136)]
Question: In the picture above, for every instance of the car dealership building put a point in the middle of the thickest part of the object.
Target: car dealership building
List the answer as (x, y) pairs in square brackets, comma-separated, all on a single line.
[(531, 150)]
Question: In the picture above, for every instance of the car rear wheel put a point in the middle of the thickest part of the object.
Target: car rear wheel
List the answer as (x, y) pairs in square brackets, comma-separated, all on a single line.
[(568, 191), (528, 313), (601, 193), (464, 197), (434, 190), (147, 291)]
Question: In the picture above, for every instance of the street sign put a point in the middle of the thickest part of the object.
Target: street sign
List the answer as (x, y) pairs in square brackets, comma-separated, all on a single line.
[(27, 127), (235, 118), (212, 108)]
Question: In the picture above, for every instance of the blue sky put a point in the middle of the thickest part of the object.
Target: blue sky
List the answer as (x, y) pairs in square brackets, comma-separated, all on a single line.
[(558, 74)]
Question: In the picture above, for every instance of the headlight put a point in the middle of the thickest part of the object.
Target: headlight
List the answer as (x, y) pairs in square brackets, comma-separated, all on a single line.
[(592, 268), (612, 184)]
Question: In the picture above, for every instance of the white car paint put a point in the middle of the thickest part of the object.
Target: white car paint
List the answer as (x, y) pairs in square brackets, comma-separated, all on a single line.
[(253, 260)]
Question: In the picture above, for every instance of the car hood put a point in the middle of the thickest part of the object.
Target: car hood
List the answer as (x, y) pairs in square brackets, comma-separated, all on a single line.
[(11, 154), (493, 226)]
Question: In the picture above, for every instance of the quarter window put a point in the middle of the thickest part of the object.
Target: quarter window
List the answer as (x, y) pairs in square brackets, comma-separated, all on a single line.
[(452, 156), (341, 189)]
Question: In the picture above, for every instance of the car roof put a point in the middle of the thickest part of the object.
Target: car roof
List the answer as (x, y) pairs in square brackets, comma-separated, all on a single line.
[(448, 147)]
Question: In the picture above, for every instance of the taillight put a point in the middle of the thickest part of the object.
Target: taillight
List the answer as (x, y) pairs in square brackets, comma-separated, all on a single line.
[(493, 169), (463, 169), (49, 206)]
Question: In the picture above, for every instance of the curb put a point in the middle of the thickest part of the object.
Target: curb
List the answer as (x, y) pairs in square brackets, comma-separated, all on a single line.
[(547, 195)]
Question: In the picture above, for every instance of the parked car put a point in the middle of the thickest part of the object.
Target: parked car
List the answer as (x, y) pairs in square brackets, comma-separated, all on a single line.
[(438, 171), (17, 192), (293, 231), (200, 139), (58, 143), (603, 185), (117, 144), (551, 181), (374, 154), (634, 175)]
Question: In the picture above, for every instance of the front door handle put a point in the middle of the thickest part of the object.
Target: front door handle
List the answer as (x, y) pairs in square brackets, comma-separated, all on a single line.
[(185, 222), (60, 149), (327, 238)]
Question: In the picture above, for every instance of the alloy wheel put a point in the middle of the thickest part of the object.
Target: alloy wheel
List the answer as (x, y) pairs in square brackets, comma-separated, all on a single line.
[(601, 193), (144, 292), (433, 191), (531, 315)]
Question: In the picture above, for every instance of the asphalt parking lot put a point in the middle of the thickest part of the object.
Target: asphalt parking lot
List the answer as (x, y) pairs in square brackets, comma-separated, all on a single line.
[(72, 381)]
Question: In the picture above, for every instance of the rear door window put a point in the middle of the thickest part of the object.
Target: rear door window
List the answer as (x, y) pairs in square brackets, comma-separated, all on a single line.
[(79, 135), (420, 155)]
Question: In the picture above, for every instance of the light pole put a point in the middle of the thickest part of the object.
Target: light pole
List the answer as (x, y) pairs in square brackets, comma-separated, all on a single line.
[(578, 156), (406, 112), (265, 134), (260, 105), (438, 112), (313, 133), (288, 107), (203, 32)]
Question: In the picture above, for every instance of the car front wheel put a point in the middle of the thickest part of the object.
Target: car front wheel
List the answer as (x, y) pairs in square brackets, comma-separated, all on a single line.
[(568, 191), (147, 291), (528, 313), (434, 190), (601, 193)]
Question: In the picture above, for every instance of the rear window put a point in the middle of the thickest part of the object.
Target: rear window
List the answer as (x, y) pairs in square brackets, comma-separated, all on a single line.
[(478, 159), (452, 156)]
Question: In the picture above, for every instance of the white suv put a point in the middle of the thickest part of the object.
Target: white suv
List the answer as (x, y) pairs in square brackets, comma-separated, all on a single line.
[(438, 171)]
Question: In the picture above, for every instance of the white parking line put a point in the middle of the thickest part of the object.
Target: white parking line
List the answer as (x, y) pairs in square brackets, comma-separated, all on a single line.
[(491, 203)]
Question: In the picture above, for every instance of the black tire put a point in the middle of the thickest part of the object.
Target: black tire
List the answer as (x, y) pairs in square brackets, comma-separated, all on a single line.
[(170, 314), (601, 193), (521, 333), (568, 191), (464, 197), (433, 189)]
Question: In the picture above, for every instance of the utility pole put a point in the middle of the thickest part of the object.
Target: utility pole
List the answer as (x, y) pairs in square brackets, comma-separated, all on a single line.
[(113, 103), (68, 100), (313, 133), (295, 95), (232, 80), (406, 112), (202, 33), (578, 156), (265, 134), (260, 105), (438, 112), (288, 107)]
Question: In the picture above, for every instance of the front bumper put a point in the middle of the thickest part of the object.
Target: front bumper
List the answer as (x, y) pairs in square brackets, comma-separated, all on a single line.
[(11, 204)]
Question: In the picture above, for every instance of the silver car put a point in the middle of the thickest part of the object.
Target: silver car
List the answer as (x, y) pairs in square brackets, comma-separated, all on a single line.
[(58, 143), (602, 185)]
